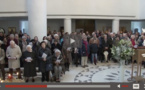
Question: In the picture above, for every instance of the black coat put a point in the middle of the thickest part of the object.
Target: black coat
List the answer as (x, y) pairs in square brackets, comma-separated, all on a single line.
[(36, 48), (1, 38), (85, 51), (45, 65), (93, 48), (105, 44), (58, 46), (141, 42), (29, 67)]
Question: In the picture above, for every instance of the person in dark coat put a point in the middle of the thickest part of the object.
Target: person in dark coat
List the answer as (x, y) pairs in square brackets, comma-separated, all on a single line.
[(45, 61), (111, 39), (36, 47), (105, 43), (55, 45), (1, 35), (23, 45), (100, 49), (141, 41), (93, 51), (85, 52), (29, 63), (58, 64)]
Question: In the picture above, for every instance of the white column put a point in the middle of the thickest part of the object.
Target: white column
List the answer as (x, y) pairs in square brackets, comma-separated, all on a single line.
[(115, 25), (37, 20), (67, 25)]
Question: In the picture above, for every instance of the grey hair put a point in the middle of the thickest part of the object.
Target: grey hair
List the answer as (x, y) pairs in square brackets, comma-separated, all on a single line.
[(57, 50)]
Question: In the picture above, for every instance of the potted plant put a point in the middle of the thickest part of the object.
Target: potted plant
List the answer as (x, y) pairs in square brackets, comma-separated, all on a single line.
[(123, 51)]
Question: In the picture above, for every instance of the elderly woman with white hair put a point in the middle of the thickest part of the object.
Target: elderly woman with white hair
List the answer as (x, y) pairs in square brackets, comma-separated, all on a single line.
[(13, 54), (56, 38), (133, 40), (29, 63), (58, 64)]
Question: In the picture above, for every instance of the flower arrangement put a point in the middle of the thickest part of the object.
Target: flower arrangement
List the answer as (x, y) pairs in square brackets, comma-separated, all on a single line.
[(123, 51)]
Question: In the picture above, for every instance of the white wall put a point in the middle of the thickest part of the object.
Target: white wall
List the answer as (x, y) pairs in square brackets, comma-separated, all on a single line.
[(79, 7), (141, 11), (92, 7), (12, 5)]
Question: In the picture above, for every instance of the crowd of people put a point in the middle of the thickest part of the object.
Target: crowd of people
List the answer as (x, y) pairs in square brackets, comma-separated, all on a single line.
[(55, 53)]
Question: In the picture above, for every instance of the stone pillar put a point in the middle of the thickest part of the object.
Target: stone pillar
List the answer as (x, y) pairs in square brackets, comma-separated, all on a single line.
[(67, 25), (115, 25), (37, 18)]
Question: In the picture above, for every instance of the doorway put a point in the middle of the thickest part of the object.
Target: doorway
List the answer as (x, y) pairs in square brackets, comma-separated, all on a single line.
[(85, 25)]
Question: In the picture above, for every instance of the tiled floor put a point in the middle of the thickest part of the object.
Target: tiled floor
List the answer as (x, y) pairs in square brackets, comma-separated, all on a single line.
[(102, 72)]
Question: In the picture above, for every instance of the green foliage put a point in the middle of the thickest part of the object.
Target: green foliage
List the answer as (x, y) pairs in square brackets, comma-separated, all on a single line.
[(123, 51)]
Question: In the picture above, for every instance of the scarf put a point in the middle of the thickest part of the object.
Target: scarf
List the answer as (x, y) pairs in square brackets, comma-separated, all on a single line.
[(86, 46), (133, 42)]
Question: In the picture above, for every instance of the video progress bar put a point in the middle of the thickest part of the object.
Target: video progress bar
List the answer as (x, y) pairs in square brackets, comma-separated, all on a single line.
[(78, 86), (57, 86)]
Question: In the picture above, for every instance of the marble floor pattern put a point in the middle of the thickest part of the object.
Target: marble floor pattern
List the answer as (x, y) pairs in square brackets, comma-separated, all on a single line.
[(102, 72)]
